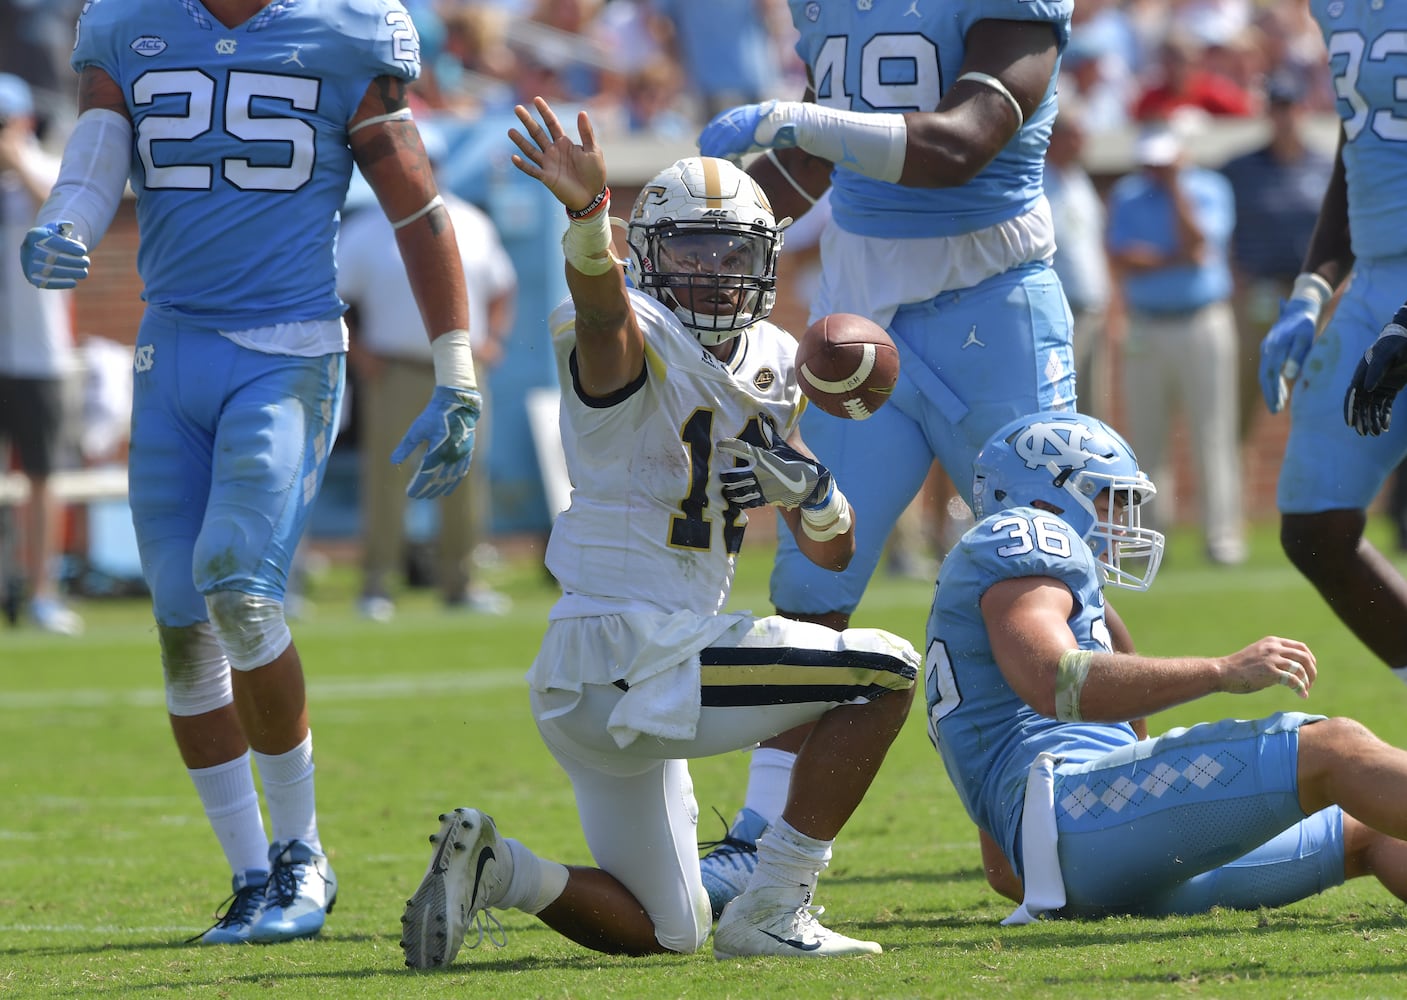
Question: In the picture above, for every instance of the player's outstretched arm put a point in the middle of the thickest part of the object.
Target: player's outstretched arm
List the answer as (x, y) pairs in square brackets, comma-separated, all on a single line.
[(610, 344), (1326, 263), (1003, 79), (387, 148), (1027, 625), (84, 199)]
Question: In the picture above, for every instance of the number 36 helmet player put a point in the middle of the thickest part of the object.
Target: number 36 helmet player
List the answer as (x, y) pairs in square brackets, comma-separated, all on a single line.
[(1062, 462)]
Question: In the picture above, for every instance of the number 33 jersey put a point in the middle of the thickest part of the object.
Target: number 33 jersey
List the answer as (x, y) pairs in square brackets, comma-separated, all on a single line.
[(648, 527), (240, 157)]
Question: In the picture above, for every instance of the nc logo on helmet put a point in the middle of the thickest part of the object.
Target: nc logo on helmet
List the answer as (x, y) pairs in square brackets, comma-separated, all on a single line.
[(1061, 443)]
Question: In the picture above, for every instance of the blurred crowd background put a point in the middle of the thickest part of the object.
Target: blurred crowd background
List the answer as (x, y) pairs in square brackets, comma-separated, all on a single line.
[(1231, 80)]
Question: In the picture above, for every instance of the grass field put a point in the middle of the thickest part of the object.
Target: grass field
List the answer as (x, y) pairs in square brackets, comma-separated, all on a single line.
[(107, 865)]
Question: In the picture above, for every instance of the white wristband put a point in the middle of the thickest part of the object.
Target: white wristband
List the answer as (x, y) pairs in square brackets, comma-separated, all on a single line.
[(832, 518), (587, 243), (864, 142), (454, 361), (1311, 288)]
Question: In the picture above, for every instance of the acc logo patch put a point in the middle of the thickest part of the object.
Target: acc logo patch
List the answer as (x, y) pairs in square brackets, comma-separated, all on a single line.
[(764, 379), (148, 45)]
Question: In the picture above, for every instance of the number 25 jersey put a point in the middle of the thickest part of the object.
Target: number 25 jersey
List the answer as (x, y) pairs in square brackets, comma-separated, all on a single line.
[(240, 156)]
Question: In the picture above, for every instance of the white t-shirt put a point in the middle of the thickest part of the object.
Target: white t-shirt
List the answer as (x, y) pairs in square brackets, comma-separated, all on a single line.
[(36, 332), (371, 276)]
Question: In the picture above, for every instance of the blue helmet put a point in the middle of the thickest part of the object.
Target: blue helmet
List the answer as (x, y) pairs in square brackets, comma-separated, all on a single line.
[(1062, 462)]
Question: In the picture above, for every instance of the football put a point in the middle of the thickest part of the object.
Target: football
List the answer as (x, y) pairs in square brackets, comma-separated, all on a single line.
[(847, 365)]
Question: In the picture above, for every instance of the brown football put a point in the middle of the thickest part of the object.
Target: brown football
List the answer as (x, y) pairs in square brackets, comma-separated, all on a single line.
[(847, 365)]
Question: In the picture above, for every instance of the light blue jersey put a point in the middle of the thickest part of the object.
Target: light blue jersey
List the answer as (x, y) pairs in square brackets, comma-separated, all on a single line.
[(1199, 817), (239, 133), (986, 734), (897, 56), (1367, 42), (1327, 465)]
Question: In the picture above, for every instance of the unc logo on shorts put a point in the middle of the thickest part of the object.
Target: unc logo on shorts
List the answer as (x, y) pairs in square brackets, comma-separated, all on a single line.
[(144, 358), (1064, 443)]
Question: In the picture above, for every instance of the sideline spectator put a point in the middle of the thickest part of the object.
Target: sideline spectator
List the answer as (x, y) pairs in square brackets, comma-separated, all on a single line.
[(36, 359), (1169, 229)]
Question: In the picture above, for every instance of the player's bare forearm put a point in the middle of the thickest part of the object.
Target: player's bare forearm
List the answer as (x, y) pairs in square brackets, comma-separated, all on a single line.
[(974, 121), (389, 151), (1330, 251), (97, 90), (833, 553)]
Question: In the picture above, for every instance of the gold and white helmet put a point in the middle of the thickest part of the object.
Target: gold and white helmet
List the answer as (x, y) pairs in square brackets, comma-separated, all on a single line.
[(704, 242)]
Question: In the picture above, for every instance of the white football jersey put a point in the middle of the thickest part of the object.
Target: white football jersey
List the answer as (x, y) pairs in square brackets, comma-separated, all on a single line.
[(648, 527)]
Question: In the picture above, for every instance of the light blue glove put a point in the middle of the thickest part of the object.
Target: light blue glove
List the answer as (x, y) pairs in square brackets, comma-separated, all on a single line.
[(52, 258), (746, 129), (1283, 350), (446, 428)]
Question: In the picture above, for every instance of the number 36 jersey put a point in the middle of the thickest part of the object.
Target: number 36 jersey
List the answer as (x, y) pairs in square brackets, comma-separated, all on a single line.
[(986, 734), (240, 158), (648, 527)]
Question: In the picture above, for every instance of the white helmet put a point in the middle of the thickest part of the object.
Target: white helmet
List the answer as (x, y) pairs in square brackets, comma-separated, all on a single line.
[(703, 227)]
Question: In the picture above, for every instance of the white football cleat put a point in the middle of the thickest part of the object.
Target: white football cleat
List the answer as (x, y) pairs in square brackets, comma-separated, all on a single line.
[(772, 921), (467, 874), (300, 893)]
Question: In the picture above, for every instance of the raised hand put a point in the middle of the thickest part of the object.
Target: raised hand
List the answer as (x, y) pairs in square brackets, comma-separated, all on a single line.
[(1379, 377), (574, 172), (52, 257)]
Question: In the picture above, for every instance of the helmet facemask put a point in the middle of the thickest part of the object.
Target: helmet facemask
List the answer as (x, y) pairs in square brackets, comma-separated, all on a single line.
[(1128, 553), (703, 241)]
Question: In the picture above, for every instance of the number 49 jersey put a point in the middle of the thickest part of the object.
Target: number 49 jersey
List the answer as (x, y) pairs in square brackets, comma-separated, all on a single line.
[(648, 527), (904, 55), (240, 157), (986, 734)]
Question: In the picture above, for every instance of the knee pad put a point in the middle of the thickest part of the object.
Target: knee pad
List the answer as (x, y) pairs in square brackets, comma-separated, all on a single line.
[(197, 673), (251, 629)]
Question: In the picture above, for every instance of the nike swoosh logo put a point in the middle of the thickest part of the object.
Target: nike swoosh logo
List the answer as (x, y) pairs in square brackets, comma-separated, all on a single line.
[(794, 485), (485, 856), (792, 943)]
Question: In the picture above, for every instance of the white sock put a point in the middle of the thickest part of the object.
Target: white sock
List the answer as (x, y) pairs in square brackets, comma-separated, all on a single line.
[(288, 789), (787, 858), (1400, 673), (534, 883), (769, 781), (232, 807)]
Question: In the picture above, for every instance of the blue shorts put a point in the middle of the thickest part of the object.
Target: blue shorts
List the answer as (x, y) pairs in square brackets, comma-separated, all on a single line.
[(969, 362), (1327, 465), (228, 452), (1199, 817)]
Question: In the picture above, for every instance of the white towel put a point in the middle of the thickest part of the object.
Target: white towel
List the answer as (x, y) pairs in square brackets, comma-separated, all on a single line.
[(1045, 885)]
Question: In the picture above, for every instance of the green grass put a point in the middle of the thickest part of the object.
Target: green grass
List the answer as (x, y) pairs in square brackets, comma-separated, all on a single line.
[(107, 865)]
